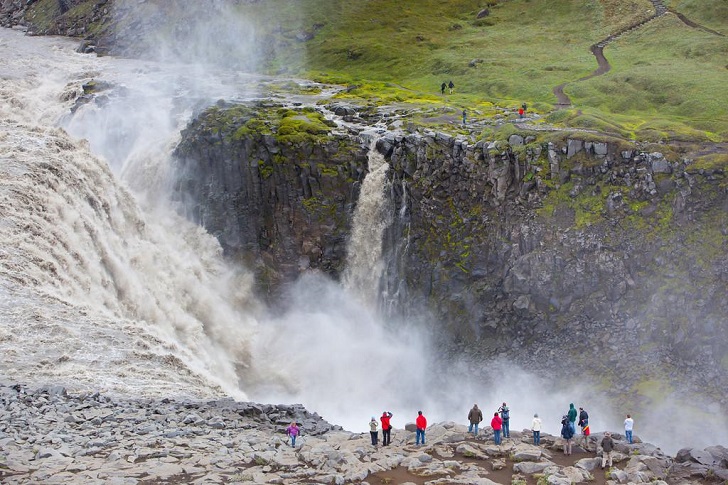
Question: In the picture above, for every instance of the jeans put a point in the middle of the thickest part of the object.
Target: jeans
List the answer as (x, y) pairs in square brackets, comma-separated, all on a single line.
[(506, 429), (386, 436), (628, 435), (420, 435), (470, 429), (375, 436), (497, 436), (536, 437), (572, 426), (293, 440), (606, 458)]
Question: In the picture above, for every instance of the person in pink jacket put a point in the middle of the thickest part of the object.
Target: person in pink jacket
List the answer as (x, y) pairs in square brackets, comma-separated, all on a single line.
[(496, 423)]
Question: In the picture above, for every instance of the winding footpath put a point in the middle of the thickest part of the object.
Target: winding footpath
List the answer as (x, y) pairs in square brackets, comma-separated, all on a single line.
[(603, 66)]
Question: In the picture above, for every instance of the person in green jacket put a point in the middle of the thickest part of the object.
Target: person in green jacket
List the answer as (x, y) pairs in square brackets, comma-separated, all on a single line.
[(572, 417)]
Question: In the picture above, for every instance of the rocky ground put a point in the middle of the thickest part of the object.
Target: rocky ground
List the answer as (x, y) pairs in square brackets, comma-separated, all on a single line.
[(50, 436)]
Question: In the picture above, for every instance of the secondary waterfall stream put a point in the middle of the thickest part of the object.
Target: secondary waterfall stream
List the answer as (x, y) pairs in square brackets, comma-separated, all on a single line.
[(371, 218)]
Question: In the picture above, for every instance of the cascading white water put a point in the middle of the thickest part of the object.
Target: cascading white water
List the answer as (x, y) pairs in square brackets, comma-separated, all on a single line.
[(372, 216), (73, 234)]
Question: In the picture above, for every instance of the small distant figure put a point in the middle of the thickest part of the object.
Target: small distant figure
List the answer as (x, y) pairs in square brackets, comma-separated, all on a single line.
[(386, 428), (520, 112), (505, 415), (607, 447), (536, 429), (451, 86), (525, 107), (443, 86), (584, 424), (421, 423), (567, 433), (628, 426), (374, 431), (465, 116), (572, 417), (475, 416), (293, 431), (496, 423)]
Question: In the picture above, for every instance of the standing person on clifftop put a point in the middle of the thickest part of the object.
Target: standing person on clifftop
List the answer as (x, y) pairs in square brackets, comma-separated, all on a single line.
[(386, 428), (567, 433), (628, 426), (572, 417), (421, 423), (496, 423), (584, 424), (505, 415), (475, 416), (536, 429), (374, 431)]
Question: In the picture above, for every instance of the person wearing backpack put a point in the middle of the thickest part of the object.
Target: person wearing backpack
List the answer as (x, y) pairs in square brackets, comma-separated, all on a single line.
[(505, 415), (567, 433), (386, 428)]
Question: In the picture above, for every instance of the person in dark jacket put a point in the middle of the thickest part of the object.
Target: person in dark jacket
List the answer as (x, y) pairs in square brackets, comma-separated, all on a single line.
[(451, 86), (442, 88), (607, 448), (475, 416), (567, 433), (584, 425)]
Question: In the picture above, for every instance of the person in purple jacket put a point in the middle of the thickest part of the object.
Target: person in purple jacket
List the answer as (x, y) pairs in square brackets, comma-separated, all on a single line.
[(292, 431)]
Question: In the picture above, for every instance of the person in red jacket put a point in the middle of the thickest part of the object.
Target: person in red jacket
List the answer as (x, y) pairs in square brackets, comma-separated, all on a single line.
[(421, 423), (386, 428), (496, 423)]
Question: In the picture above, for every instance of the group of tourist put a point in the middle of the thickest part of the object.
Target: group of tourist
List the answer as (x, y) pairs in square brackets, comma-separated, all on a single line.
[(501, 429)]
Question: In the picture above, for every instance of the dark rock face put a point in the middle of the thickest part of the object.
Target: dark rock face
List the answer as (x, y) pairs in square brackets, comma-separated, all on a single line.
[(514, 247), (283, 207)]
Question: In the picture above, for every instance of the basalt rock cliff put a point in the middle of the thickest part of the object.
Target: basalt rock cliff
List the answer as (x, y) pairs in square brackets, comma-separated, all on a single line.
[(608, 254)]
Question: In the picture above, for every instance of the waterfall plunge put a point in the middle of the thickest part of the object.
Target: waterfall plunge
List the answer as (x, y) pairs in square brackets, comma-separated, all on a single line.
[(371, 218)]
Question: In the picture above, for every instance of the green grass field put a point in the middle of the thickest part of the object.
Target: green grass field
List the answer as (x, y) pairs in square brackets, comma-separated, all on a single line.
[(668, 80)]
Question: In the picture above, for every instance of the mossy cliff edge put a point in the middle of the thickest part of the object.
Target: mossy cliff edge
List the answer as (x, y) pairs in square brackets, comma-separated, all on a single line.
[(526, 247)]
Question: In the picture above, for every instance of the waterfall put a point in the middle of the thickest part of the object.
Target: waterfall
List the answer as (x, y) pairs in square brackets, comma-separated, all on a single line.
[(371, 219)]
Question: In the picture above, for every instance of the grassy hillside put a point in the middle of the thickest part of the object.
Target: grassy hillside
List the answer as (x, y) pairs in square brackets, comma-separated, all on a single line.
[(667, 79)]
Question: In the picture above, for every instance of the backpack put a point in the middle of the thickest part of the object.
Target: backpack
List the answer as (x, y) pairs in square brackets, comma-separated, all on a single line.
[(505, 414)]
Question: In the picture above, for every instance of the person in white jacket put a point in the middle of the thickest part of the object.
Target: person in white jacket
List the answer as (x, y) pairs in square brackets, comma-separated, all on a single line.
[(536, 428), (628, 425)]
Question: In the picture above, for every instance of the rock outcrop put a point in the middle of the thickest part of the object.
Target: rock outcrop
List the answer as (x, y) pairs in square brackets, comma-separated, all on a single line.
[(48, 435), (514, 245)]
